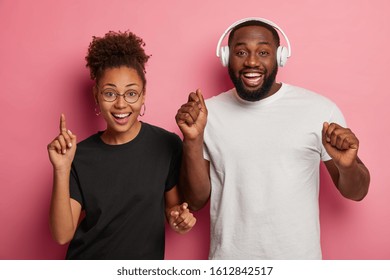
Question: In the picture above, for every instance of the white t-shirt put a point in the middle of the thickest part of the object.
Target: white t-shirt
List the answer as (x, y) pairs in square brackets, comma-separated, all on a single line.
[(264, 167)]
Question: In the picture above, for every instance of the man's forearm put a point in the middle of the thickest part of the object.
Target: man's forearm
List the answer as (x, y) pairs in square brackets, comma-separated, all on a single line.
[(353, 183), (194, 176)]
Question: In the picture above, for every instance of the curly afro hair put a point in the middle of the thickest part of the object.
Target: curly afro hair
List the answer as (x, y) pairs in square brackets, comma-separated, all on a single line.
[(116, 49)]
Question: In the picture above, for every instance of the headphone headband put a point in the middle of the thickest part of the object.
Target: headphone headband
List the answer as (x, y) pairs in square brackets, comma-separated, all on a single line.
[(272, 24)]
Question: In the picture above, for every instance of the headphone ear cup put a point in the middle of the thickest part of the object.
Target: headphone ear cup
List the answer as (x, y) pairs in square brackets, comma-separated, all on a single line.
[(281, 56), (224, 57)]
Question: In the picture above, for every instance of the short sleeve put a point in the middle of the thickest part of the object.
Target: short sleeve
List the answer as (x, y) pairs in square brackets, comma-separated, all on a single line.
[(74, 187), (175, 163), (206, 154), (336, 116)]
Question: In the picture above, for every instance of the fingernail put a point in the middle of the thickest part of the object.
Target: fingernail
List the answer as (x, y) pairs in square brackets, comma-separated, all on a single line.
[(70, 145)]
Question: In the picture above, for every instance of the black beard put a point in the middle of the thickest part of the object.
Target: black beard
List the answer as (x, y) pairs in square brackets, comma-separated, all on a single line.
[(253, 95)]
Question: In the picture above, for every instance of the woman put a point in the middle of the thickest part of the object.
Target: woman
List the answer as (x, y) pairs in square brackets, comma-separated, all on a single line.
[(124, 178)]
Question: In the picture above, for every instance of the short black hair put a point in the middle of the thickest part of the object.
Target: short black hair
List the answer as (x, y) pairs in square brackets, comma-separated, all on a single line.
[(255, 23), (114, 50)]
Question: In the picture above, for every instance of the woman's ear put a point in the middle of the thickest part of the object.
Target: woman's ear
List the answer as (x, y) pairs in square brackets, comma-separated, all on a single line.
[(143, 96), (95, 94)]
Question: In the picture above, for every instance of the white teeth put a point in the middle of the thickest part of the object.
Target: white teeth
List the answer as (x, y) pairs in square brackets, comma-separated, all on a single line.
[(121, 116), (252, 75)]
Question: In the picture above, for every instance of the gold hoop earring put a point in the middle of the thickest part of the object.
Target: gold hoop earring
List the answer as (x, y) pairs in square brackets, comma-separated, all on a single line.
[(143, 113), (97, 111)]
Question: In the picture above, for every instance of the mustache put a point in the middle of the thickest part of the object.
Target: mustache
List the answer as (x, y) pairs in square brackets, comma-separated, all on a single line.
[(253, 69)]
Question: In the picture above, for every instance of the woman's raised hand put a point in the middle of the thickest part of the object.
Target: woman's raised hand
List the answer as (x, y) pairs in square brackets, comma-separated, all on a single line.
[(62, 149)]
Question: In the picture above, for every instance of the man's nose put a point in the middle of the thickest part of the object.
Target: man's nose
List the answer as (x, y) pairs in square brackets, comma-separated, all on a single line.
[(252, 60)]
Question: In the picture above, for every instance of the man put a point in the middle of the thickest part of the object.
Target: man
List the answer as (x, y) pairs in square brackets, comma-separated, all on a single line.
[(258, 157)]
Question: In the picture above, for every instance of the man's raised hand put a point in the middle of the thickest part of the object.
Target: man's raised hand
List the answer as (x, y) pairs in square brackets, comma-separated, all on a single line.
[(192, 116), (341, 144)]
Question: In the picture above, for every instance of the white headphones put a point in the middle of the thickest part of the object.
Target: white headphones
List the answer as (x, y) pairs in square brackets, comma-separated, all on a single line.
[(282, 53)]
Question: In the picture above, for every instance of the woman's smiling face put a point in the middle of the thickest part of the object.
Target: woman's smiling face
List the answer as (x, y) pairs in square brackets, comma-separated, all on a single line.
[(121, 117)]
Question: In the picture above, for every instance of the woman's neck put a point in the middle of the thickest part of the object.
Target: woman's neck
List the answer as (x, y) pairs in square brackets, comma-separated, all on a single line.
[(117, 138)]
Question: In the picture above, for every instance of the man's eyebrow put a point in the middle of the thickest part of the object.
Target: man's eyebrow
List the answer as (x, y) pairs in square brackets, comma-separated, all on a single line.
[(259, 43)]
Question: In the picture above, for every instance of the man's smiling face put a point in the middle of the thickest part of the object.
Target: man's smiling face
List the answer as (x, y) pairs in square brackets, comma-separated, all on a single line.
[(252, 62)]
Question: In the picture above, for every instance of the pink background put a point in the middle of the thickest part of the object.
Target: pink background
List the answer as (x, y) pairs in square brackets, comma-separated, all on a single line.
[(339, 49)]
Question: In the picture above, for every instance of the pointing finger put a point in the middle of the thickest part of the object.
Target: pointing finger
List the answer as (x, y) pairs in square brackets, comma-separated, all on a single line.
[(62, 123)]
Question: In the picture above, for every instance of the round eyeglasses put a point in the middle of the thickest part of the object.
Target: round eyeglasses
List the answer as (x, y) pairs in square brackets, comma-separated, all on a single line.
[(110, 95)]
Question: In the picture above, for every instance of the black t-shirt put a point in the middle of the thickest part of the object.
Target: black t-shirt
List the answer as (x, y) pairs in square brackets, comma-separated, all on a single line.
[(121, 188)]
